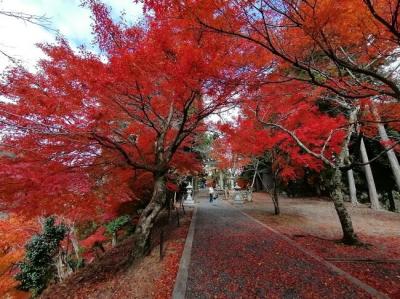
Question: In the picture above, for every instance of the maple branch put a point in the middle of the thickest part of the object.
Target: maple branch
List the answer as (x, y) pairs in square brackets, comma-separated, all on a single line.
[(294, 61), (142, 107), (393, 26), (352, 66), (319, 156), (180, 136), (9, 57), (135, 145), (379, 121), (275, 49), (327, 140), (352, 165), (41, 21), (109, 143)]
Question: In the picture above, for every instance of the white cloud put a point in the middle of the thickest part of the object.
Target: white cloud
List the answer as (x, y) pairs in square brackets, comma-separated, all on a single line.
[(133, 11), (19, 39)]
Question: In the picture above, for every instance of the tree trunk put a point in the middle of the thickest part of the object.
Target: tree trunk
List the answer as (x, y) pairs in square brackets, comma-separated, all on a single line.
[(349, 236), (373, 195), (253, 181), (392, 204), (345, 156), (318, 189), (148, 217), (221, 180), (275, 198), (75, 244), (352, 187), (114, 239), (63, 269), (394, 163)]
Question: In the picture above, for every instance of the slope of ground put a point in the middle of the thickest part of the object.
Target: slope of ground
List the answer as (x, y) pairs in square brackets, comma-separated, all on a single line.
[(113, 276), (313, 223)]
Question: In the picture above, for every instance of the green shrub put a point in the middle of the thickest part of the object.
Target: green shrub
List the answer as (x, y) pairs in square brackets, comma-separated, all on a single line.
[(37, 268), (116, 224)]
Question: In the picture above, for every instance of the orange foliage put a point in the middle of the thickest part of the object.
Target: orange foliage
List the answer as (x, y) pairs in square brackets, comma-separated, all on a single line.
[(14, 233)]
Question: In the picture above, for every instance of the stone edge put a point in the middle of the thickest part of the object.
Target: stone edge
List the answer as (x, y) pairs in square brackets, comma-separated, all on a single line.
[(372, 291), (182, 276)]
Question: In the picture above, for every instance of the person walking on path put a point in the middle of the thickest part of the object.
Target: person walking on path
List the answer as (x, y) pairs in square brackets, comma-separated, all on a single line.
[(211, 192)]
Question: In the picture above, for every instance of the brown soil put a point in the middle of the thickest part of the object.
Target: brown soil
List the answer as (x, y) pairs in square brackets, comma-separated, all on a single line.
[(114, 276), (313, 223), (317, 217)]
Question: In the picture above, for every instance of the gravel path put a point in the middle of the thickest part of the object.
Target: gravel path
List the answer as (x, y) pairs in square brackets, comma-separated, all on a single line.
[(234, 256)]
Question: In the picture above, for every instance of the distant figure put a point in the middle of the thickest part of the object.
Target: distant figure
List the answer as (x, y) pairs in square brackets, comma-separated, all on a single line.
[(211, 192)]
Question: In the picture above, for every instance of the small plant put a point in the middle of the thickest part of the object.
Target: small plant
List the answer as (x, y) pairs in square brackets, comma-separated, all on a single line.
[(37, 268), (115, 225)]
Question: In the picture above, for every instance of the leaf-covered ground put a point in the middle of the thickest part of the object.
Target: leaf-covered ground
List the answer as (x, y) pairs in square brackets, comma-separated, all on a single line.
[(112, 276), (313, 224), (235, 257)]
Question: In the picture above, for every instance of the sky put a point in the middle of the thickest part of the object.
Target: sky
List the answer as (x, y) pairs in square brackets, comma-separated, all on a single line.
[(19, 39)]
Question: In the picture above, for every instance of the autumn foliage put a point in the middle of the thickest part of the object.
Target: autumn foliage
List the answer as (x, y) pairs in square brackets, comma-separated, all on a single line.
[(87, 133), (14, 232)]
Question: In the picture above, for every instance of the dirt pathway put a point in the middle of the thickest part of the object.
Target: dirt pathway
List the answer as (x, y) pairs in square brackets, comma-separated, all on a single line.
[(234, 256)]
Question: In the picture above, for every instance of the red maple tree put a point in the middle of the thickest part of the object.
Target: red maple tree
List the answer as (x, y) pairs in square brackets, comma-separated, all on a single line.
[(84, 121)]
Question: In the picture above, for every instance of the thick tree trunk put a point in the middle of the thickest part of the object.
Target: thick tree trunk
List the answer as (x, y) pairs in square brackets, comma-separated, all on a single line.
[(349, 236), (394, 163), (148, 217), (75, 244), (352, 187), (373, 195)]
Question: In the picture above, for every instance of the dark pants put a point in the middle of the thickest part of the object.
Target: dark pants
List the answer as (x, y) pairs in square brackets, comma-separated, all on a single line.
[(211, 197)]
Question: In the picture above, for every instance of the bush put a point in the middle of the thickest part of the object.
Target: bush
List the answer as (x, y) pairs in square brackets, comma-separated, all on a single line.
[(116, 224), (37, 268)]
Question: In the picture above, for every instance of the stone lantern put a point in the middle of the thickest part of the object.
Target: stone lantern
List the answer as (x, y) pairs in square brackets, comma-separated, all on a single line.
[(189, 199), (238, 195)]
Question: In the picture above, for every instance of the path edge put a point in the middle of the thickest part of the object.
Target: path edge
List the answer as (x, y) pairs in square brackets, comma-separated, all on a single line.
[(372, 291), (182, 276)]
